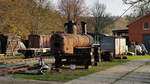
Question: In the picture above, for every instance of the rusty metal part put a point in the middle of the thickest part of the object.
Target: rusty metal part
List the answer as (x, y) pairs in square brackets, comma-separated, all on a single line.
[(65, 43), (39, 41)]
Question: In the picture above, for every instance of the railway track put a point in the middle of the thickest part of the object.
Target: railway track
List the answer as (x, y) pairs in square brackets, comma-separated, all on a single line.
[(18, 60), (20, 65)]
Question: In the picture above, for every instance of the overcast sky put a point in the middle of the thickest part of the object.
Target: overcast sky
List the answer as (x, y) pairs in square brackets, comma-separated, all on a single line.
[(113, 7)]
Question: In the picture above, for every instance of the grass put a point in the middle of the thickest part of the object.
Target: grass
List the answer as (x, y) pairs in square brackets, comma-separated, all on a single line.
[(11, 57), (66, 74), (138, 57)]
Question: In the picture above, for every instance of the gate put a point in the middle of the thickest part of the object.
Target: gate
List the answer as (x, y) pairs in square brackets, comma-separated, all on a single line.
[(146, 41)]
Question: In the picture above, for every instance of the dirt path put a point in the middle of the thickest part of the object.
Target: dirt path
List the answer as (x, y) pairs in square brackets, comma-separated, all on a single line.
[(133, 72), (139, 76)]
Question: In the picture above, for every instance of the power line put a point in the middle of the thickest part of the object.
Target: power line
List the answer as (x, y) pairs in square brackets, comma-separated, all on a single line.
[(130, 8), (124, 12)]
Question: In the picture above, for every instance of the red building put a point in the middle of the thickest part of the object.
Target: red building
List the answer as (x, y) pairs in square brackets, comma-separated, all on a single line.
[(139, 31)]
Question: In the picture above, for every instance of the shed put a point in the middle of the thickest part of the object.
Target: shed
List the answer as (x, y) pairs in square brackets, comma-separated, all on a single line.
[(121, 33), (116, 45)]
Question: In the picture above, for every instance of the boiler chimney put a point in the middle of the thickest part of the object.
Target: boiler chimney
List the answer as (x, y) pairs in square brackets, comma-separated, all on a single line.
[(84, 27), (71, 27)]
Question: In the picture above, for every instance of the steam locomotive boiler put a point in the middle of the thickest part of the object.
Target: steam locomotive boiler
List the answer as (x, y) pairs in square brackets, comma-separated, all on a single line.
[(72, 48)]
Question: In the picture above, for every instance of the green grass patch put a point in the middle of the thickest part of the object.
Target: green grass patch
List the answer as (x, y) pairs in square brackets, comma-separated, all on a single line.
[(11, 57), (138, 57), (66, 74)]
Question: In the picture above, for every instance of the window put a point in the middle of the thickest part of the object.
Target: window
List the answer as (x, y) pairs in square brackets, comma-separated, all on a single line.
[(146, 25)]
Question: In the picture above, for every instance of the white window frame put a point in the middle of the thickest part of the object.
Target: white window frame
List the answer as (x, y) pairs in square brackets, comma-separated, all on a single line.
[(145, 27)]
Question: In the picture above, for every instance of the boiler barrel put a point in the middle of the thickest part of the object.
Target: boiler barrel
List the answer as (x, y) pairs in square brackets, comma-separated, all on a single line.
[(81, 40), (65, 43)]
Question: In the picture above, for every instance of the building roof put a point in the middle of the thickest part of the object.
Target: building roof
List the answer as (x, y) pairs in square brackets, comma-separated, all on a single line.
[(120, 30), (138, 19)]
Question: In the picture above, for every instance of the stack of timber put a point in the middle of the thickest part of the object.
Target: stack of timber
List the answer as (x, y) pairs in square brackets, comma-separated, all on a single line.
[(13, 45)]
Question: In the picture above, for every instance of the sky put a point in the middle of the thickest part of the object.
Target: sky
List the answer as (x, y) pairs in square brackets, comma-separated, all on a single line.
[(113, 7)]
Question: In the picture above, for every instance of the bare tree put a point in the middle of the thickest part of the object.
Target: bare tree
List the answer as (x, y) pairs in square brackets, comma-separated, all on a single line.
[(72, 9), (101, 18), (141, 7), (44, 3)]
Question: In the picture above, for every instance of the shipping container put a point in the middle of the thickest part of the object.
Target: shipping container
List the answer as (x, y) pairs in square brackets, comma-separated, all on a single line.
[(114, 45)]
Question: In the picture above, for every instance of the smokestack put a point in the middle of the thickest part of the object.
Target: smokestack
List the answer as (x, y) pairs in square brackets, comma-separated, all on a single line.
[(71, 27), (84, 27)]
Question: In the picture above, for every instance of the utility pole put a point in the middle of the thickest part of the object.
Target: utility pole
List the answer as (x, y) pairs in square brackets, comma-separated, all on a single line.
[(97, 38)]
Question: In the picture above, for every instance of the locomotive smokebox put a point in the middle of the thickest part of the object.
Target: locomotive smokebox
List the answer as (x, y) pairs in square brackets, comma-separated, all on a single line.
[(71, 27), (84, 27)]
